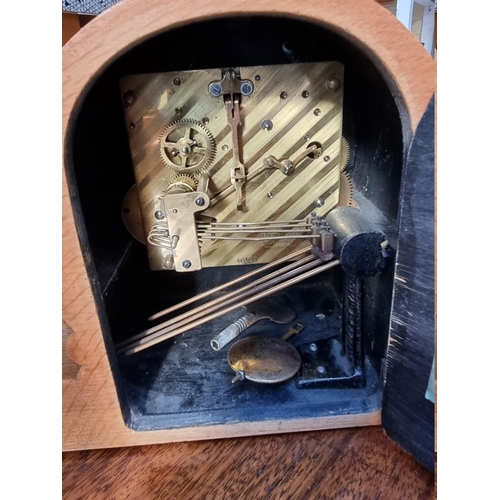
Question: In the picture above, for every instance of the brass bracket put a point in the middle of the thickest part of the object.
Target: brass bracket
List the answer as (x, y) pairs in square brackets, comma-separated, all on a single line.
[(180, 210), (230, 84)]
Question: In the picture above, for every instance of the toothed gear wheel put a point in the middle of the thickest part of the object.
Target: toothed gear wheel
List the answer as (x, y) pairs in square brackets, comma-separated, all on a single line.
[(182, 184), (346, 190), (187, 146), (345, 152)]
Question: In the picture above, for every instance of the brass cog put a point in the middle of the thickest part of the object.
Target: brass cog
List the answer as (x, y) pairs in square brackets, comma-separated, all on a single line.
[(182, 183), (346, 190), (345, 153), (187, 146)]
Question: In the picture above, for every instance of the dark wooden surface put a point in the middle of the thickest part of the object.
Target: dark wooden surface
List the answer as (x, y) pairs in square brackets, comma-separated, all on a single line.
[(361, 463), (407, 415)]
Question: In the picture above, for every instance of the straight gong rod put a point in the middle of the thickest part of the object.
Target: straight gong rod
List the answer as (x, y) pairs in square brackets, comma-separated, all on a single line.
[(200, 311), (277, 288), (230, 283)]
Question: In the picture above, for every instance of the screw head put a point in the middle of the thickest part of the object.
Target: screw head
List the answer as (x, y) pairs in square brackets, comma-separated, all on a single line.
[(270, 195), (306, 138), (317, 111), (326, 158), (287, 168), (178, 111), (186, 264), (215, 89), (267, 125), (159, 215), (283, 95), (321, 369), (257, 77), (225, 147), (313, 348), (319, 202), (177, 81), (246, 88), (200, 202), (205, 120), (269, 162), (334, 84), (305, 94), (129, 97)]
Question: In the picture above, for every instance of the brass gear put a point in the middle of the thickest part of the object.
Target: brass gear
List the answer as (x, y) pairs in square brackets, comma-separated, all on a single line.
[(181, 183), (345, 153), (187, 146), (346, 190)]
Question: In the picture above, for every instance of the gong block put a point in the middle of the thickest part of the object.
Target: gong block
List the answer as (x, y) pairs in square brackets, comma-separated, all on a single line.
[(91, 411)]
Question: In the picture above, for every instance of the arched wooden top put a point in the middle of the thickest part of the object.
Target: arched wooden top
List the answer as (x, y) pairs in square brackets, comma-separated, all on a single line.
[(130, 21)]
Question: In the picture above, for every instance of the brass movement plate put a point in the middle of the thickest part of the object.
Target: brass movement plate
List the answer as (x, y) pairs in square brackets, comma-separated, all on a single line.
[(303, 107)]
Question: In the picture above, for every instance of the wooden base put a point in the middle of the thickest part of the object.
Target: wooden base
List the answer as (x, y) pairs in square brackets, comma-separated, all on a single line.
[(120, 437), (91, 411)]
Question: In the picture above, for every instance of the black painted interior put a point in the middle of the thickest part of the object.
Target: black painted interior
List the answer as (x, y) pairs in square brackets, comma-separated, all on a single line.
[(183, 382)]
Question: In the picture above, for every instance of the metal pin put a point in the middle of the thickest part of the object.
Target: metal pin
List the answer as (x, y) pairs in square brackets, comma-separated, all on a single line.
[(239, 376)]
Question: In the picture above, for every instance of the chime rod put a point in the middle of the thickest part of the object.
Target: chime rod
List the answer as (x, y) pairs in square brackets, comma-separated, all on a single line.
[(265, 293), (263, 223), (251, 230), (241, 278), (267, 238), (217, 303)]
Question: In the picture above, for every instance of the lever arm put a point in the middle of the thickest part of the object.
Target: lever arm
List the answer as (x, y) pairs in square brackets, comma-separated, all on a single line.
[(238, 174)]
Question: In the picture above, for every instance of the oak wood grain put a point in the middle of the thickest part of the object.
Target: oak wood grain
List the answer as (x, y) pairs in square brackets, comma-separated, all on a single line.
[(69, 367), (343, 464), (91, 412)]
